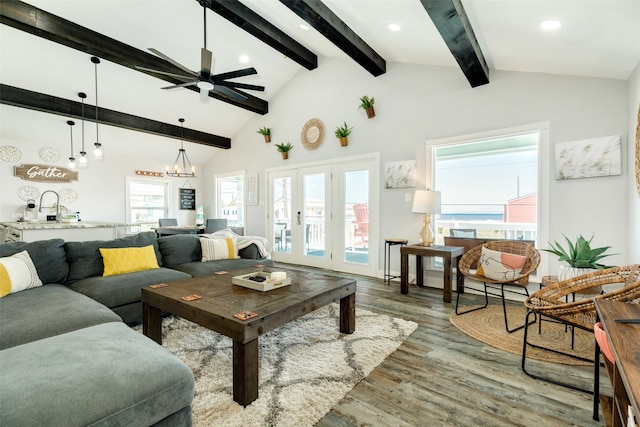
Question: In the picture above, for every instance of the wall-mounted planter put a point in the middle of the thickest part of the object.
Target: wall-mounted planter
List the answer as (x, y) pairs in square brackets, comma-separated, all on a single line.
[(344, 141), (267, 138), (371, 113), (285, 155)]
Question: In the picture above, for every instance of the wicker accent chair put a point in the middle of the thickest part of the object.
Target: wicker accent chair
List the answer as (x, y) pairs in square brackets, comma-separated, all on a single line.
[(468, 265), (550, 302)]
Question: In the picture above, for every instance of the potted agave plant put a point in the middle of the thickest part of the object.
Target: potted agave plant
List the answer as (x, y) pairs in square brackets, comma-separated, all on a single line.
[(366, 104), (284, 149), (342, 133), (580, 257), (266, 132)]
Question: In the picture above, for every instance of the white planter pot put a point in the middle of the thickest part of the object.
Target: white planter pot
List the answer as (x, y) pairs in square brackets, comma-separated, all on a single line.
[(567, 272)]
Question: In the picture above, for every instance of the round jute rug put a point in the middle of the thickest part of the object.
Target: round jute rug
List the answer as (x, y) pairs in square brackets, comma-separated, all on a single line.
[(487, 325)]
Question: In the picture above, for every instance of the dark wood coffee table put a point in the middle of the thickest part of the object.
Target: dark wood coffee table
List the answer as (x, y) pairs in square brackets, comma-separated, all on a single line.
[(221, 299)]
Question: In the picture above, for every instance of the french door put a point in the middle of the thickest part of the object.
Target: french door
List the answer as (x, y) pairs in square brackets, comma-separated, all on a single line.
[(320, 215)]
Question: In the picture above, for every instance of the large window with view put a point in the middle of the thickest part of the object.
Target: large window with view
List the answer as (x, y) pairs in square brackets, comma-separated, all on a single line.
[(147, 201), (489, 186), (230, 198)]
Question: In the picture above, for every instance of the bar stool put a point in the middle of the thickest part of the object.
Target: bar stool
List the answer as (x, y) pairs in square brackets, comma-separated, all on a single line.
[(387, 257)]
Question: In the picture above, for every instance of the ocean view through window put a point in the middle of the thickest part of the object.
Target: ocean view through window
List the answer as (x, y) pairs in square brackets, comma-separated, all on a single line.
[(489, 185)]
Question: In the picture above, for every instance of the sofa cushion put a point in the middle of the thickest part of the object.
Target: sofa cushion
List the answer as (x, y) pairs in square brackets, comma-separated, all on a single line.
[(47, 311), (17, 273), (103, 375), (122, 289), (48, 256), (197, 269), (218, 249), (128, 260), (179, 249), (85, 260)]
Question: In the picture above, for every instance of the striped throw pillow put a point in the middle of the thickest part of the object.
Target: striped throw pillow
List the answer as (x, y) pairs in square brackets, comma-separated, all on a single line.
[(17, 273), (217, 249)]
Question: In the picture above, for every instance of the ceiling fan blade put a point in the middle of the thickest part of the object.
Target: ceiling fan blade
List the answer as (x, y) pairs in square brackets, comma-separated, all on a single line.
[(206, 58), (234, 74), (241, 85), (230, 93), (191, 83), (177, 64), (204, 95), (177, 76)]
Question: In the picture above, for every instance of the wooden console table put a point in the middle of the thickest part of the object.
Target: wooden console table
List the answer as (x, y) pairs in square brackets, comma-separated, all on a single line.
[(448, 253), (625, 372)]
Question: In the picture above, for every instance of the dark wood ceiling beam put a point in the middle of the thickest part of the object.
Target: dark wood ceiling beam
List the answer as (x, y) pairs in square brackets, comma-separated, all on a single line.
[(25, 17), (320, 17), (17, 97), (453, 24), (245, 18)]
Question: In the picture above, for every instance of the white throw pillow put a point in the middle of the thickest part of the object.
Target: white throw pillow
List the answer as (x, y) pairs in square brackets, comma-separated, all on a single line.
[(217, 249), (500, 265), (17, 273)]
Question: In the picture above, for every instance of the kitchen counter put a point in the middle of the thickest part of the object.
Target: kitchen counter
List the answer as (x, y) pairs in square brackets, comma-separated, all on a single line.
[(72, 231)]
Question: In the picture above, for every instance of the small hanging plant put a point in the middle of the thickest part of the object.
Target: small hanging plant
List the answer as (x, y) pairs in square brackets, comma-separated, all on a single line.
[(342, 133), (366, 104), (284, 149), (266, 132)]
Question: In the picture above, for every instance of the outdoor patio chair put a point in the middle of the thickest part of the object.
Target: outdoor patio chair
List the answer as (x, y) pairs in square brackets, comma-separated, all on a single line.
[(511, 276), (550, 302), (361, 224)]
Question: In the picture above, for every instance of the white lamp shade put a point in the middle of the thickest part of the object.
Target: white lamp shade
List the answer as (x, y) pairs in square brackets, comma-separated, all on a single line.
[(425, 201)]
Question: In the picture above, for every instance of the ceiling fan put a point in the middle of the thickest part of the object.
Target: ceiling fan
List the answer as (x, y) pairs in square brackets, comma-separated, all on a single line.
[(204, 80)]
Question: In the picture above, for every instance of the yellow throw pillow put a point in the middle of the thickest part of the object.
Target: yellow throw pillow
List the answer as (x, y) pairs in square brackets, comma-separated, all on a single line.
[(128, 260), (500, 265), (217, 249), (17, 273)]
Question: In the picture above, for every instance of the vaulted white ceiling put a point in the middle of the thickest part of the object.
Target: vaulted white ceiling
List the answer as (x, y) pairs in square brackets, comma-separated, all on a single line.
[(599, 38)]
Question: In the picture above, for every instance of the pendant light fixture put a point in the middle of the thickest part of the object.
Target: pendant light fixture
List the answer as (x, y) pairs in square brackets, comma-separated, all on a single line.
[(83, 161), (72, 160), (182, 160), (97, 150)]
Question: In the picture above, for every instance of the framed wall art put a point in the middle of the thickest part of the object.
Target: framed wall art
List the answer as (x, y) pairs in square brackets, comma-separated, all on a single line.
[(400, 174), (589, 158)]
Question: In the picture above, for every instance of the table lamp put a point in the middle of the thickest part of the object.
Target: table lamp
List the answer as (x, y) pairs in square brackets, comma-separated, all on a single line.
[(426, 202)]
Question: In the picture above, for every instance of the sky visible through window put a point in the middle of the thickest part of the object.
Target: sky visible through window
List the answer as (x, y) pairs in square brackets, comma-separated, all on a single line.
[(478, 178)]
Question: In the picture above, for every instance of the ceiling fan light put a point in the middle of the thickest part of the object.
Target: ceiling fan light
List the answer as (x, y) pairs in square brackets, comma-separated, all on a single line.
[(204, 85)]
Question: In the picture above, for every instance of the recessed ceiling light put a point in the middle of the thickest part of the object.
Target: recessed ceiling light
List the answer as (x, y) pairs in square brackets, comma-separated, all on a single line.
[(244, 59), (550, 24), (394, 27), (304, 27)]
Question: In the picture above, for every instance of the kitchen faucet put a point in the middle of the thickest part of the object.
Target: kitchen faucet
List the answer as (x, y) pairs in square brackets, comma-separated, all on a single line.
[(58, 218)]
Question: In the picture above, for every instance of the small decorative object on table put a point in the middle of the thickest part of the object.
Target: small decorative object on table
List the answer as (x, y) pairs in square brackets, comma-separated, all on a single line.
[(262, 281)]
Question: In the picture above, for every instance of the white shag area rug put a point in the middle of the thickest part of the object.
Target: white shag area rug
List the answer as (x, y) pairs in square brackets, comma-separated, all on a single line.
[(305, 367)]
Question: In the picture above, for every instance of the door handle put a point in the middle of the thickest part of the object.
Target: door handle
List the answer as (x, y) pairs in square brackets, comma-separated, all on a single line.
[(299, 218)]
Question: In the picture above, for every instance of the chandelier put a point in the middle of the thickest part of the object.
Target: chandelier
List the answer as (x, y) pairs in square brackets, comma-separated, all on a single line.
[(182, 166)]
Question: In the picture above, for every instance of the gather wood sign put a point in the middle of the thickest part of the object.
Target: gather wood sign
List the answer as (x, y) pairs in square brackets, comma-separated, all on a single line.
[(45, 173)]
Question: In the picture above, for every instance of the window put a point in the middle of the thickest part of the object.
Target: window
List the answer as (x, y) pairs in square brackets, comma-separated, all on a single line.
[(489, 184), (230, 198), (147, 201)]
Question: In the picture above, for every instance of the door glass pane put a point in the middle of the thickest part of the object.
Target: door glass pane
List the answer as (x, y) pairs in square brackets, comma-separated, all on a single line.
[(282, 214), (314, 215), (231, 200), (356, 239)]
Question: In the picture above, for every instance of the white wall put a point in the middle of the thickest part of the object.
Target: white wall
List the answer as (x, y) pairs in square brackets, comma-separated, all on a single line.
[(413, 104), (100, 189), (633, 228), (419, 103)]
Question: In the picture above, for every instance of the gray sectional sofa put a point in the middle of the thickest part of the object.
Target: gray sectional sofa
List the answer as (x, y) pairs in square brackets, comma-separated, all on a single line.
[(68, 356)]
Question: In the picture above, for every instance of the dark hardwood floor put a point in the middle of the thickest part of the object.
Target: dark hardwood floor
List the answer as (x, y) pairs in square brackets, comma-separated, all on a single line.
[(442, 377)]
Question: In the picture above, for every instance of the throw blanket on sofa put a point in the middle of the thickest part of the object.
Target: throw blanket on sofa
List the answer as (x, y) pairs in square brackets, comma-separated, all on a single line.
[(263, 245)]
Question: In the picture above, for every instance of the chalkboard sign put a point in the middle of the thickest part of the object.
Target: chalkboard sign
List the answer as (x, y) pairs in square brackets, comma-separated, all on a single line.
[(188, 199)]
